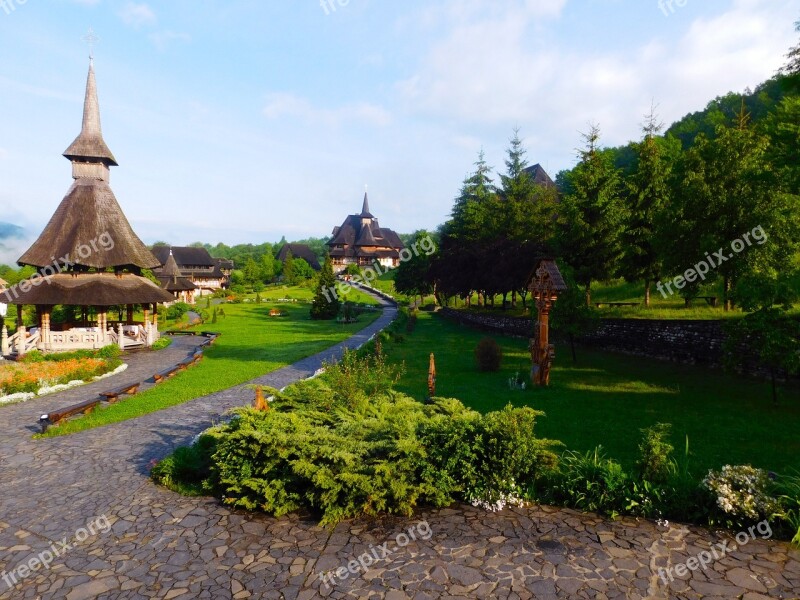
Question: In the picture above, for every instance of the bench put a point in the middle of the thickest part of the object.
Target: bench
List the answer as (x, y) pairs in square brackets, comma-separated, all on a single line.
[(600, 304), (56, 418), (113, 395), (165, 374)]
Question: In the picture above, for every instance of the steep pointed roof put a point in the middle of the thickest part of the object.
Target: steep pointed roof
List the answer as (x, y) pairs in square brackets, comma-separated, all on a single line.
[(366, 238), (90, 230), (170, 268), (90, 144), (365, 214), (171, 278)]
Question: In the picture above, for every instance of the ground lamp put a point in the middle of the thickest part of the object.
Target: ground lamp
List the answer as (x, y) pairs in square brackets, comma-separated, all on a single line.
[(547, 283)]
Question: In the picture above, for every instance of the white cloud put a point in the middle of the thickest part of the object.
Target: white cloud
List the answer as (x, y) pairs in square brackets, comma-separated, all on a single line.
[(283, 104), (137, 15), (488, 68), (162, 39)]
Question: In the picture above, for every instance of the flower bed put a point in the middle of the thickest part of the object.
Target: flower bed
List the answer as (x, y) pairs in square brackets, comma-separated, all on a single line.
[(38, 374)]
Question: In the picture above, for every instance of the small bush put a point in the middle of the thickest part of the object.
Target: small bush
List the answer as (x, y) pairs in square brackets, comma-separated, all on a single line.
[(488, 355), (187, 468), (161, 343), (177, 310), (590, 482), (742, 495), (110, 351), (655, 462)]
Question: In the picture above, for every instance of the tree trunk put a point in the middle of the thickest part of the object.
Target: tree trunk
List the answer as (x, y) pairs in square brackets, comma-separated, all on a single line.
[(727, 293), (647, 284), (572, 347)]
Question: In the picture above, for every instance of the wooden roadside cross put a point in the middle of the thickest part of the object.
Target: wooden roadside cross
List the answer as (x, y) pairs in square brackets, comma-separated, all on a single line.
[(547, 283)]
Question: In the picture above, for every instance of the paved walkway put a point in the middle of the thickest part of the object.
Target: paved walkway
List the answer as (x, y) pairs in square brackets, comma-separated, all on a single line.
[(156, 544)]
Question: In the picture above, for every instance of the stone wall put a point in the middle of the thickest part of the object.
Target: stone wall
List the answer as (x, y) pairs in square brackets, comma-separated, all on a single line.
[(683, 341)]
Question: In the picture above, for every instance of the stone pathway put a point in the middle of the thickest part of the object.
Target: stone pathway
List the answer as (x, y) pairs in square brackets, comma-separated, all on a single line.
[(130, 539)]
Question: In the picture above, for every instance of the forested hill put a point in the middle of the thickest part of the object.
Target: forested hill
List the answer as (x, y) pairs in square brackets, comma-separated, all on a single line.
[(723, 110), (8, 231)]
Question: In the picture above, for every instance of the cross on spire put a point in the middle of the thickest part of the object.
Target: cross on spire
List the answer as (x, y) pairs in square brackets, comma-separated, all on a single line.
[(91, 40)]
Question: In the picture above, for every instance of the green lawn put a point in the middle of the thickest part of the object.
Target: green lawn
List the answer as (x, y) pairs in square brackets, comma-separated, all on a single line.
[(252, 344), (671, 307), (607, 398)]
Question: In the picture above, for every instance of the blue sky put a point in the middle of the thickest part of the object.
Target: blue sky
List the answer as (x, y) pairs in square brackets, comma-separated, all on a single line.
[(245, 120)]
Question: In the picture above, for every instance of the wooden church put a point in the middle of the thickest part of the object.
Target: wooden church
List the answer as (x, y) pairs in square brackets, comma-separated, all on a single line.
[(87, 257)]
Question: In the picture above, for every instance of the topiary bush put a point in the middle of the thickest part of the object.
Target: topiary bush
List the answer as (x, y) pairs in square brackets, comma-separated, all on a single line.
[(488, 355)]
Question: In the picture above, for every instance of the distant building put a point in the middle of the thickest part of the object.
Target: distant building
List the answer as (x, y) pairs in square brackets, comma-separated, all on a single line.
[(196, 264), (362, 241), (539, 175), (175, 283), (300, 251)]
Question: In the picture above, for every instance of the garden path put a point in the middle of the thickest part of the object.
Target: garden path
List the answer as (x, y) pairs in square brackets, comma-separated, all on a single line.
[(161, 545)]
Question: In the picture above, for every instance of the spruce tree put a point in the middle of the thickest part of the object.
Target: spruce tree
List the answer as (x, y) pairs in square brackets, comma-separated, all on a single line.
[(326, 303), (593, 216), (648, 193)]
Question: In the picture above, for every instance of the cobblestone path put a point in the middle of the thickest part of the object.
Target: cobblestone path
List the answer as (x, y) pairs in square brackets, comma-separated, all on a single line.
[(56, 494)]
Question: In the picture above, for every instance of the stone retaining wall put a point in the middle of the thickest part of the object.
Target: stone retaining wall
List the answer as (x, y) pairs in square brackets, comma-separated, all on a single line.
[(683, 341)]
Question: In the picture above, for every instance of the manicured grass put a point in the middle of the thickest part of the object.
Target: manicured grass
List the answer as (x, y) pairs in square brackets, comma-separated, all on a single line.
[(306, 294), (671, 307), (252, 344), (607, 398)]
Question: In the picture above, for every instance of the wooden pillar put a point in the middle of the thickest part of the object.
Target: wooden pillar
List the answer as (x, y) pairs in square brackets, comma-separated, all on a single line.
[(4, 349), (21, 335), (102, 320), (147, 326), (130, 314), (45, 327)]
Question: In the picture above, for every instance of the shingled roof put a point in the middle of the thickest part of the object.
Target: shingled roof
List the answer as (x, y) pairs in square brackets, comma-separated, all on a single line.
[(171, 278), (185, 256), (539, 175), (90, 289), (89, 215), (300, 251), (89, 145), (89, 229)]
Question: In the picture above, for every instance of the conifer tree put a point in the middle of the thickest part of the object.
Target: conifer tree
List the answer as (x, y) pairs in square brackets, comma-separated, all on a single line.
[(326, 302)]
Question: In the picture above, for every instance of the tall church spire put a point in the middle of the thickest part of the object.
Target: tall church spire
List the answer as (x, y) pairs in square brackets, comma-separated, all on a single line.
[(365, 208), (89, 146)]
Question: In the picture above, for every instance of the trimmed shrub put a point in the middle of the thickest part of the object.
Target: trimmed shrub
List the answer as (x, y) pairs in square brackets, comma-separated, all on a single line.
[(488, 355)]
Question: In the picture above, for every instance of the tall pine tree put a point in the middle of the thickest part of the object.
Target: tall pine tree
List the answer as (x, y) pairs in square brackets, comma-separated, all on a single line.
[(647, 193), (593, 216)]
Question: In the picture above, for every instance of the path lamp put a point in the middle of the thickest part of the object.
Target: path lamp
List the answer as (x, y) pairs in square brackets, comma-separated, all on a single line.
[(547, 283)]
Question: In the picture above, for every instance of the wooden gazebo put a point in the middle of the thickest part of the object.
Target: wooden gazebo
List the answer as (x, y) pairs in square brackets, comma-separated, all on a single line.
[(88, 257)]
